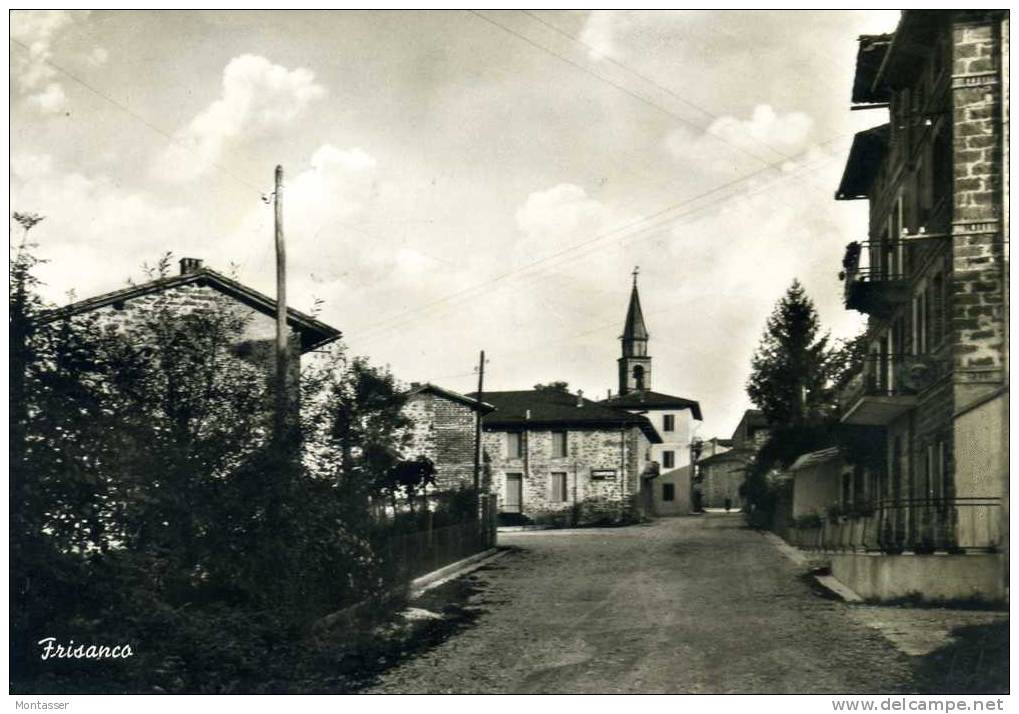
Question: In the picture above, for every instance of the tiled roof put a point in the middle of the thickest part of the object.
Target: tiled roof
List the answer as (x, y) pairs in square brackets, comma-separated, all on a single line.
[(865, 157), (313, 333), (646, 399), (814, 458), (730, 455), (428, 388), (552, 408)]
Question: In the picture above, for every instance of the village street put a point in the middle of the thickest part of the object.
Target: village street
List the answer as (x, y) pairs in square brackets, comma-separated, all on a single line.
[(683, 605)]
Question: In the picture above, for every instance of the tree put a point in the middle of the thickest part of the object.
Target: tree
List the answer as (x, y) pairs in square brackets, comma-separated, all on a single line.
[(143, 477), (796, 375), (557, 386), (360, 433), (790, 379)]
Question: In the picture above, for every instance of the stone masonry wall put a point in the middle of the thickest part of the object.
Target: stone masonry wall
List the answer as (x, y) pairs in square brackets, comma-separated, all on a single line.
[(977, 282), (723, 480), (444, 432), (256, 341), (623, 451)]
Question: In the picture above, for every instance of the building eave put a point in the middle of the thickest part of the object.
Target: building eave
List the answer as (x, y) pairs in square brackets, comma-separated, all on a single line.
[(865, 157), (314, 333), (483, 407)]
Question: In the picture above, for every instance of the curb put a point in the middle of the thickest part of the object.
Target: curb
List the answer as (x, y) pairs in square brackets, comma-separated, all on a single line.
[(797, 556), (421, 585)]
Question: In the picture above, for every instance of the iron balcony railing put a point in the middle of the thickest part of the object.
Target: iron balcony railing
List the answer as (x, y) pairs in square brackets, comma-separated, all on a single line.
[(890, 375), (957, 525), (879, 287)]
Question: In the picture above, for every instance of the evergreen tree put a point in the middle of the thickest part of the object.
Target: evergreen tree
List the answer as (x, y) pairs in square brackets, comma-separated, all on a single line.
[(790, 379)]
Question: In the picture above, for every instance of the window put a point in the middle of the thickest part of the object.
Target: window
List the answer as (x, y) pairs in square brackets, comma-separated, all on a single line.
[(558, 444), (668, 492), (515, 445), (937, 310), (920, 322), (668, 459), (638, 378), (941, 172), (559, 489), (669, 422)]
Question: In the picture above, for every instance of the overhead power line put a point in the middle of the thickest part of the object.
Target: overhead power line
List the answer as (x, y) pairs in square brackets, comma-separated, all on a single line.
[(620, 87), (403, 318), (135, 115), (626, 68)]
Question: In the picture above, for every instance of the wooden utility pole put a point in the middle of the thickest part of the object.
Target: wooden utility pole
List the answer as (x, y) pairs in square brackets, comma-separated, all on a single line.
[(477, 427), (282, 342)]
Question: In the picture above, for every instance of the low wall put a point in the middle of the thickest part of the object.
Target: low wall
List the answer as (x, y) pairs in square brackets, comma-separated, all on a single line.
[(935, 577)]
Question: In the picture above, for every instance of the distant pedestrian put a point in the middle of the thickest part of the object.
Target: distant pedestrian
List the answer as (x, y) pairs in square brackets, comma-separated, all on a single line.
[(728, 504)]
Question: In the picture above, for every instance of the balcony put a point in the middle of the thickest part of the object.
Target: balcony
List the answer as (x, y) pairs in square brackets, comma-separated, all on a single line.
[(920, 526), (886, 388), (872, 291)]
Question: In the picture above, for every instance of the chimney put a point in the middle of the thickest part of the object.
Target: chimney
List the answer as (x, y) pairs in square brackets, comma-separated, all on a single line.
[(190, 265), (415, 385), (610, 394), (580, 397)]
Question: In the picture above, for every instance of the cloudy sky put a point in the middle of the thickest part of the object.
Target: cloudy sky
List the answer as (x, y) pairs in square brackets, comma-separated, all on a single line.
[(458, 181)]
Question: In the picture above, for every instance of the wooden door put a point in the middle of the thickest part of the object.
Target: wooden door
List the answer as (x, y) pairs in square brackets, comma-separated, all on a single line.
[(514, 498)]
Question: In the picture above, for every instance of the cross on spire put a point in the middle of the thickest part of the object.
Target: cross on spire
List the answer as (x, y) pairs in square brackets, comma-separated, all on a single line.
[(636, 271)]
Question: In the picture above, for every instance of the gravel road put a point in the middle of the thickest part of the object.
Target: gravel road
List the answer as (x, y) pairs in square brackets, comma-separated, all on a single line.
[(682, 605)]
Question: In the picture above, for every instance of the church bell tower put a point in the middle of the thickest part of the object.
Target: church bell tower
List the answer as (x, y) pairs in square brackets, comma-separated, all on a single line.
[(635, 364)]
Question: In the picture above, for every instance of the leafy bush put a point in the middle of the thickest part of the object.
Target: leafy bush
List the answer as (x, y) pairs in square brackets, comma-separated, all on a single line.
[(151, 505)]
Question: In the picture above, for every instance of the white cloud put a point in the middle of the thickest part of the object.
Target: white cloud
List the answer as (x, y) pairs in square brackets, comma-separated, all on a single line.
[(599, 34), (50, 100), (731, 145), (36, 32), (95, 234), (98, 56), (258, 98), (559, 212)]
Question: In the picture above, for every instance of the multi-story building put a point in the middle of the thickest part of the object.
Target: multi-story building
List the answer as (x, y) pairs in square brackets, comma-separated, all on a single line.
[(722, 466), (673, 417), (932, 277), (556, 456), (443, 430), (197, 288)]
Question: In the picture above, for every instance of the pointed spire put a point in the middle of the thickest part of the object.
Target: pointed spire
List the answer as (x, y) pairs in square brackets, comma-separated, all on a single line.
[(635, 329)]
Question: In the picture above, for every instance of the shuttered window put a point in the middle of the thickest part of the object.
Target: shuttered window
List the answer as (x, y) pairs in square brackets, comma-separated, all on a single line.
[(559, 486), (668, 459), (558, 444), (669, 422), (668, 492), (514, 444)]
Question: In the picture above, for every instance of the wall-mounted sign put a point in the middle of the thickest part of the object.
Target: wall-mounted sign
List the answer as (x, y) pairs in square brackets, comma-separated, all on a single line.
[(603, 474)]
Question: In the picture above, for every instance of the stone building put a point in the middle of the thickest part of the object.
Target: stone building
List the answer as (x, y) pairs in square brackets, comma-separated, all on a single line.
[(721, 468), (197, 287), (673, 417), (932, 277), (443, 430), (555, 456)]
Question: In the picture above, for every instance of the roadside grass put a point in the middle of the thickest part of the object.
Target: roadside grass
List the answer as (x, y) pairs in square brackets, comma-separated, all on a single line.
[(976, 662), (348, 662)]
